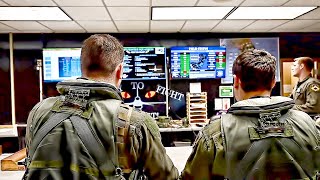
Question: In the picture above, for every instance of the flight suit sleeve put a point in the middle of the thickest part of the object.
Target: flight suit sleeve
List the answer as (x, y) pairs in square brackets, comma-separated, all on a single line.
[(200, 162), (157, 164), (29, 124), (312, 104)]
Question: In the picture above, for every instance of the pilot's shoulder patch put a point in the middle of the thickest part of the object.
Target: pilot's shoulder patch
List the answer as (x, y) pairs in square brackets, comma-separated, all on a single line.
[(315, 87)]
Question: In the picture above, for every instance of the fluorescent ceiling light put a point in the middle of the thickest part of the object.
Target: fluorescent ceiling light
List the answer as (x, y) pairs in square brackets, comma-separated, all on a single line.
[(269, 12), (32, 13), (178, 13)]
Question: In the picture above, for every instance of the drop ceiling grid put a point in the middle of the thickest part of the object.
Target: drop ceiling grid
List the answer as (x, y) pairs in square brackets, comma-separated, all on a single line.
[(173, 3), (295, 25), (30, 2), (135, 13), (3, 3), (199, 25), (232, 25), (314, 14), (125, 3), (263, 2), (4, 27), (76, 3), (129, 13), (219, 3), (98, 26), (26, 25), (132, 26), (303, 3), (265, 25), (87, 13), (63, 26), (315, 27), (166, 26)]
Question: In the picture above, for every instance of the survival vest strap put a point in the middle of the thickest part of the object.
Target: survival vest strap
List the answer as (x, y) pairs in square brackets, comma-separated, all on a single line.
[(87, 135), (272, 132), (123, 125)]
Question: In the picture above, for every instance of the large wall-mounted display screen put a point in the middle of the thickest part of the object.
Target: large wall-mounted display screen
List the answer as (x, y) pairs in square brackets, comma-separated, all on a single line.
[(144, 63), (61, 64), (198, 62), (235, 46)]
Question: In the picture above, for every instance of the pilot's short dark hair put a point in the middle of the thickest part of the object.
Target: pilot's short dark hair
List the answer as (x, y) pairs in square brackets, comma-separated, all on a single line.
[(101, 53), (256, 70)]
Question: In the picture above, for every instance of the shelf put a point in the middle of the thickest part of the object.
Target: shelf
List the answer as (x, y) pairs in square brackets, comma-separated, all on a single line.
[(198, 111), (198, 121), (201, 100), (197, 107)]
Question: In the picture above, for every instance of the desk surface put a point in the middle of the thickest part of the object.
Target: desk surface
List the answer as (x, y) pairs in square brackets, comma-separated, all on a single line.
[(179, 156)]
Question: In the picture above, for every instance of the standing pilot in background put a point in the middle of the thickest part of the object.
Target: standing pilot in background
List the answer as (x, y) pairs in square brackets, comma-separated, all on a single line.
[(87, 132), (306, 94), (261, 137)]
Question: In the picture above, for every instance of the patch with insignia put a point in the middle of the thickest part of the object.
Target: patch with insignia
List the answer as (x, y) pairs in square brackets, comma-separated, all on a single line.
[(315, 87)]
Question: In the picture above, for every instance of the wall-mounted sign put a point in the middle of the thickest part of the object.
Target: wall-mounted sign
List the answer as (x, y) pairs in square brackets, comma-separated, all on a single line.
[(225, 91)]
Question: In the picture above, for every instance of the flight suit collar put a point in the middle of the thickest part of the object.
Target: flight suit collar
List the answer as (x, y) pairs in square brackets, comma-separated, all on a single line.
[(97, 89), (255, 106), (305, 79)]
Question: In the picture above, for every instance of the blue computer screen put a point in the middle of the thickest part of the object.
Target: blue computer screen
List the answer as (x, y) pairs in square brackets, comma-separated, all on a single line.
[(198, 62), (61, 64)]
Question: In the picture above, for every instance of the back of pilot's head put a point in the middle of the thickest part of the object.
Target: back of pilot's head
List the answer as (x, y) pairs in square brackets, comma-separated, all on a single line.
[(256, 69), (100, 55)]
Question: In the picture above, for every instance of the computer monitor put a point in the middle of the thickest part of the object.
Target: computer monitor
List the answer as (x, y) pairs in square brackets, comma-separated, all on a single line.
[(61, 64), (198, 62), (144, 63)]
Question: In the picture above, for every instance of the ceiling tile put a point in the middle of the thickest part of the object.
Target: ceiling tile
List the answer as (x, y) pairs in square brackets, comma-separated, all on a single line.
[(173, 3), (132, 26), (87, 13), (313, 28), (309, 30), (232, 25), (26, 25), (63, 26), (4, 27), (268, 13), (219, 2), (315, 14), (303, 3), (199, 26), (254, 30), (296, 25), (37, 31), (263, 2), (30, 2), (127, 3), (131, 13), (79, 3), (264, 25), (3, 4), (9, 31), (98, 26), (166, 26)]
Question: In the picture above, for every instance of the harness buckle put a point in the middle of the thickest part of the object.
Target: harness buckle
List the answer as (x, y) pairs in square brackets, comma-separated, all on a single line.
[(118, 171)]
